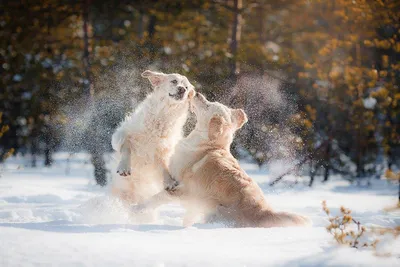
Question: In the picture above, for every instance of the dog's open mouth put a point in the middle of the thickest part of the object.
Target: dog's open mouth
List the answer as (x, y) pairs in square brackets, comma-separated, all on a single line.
[(177, 96)]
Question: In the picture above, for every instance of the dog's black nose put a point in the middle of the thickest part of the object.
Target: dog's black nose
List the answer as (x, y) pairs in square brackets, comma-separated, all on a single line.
[(181, 89)]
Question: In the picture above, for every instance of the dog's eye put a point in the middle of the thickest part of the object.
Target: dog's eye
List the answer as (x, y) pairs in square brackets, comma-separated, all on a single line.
[(186, 87), (174, 82)]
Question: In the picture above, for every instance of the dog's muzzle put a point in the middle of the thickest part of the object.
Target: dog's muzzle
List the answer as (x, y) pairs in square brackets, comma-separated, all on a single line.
[(180, 93)]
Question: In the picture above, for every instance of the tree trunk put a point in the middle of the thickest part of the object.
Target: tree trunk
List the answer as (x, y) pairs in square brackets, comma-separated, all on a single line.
[(235, 37), (86, 53), (261, 17), (140, 26), (34, 147), (34, 151), (399, 192), (49, 145), (99, 168), (313, 171), (359, 162), (93, 147), (327, 161), (47, 156), (151, 28)]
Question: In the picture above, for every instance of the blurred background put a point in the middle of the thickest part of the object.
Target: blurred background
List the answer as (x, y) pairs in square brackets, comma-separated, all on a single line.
[(319, 79)]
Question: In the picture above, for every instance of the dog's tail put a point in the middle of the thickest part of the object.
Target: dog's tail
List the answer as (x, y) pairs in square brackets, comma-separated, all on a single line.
[(285, 219)]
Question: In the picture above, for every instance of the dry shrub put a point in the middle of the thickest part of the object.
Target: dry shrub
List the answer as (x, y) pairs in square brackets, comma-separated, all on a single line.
[(348, 231), (391, 175), (3, 130)]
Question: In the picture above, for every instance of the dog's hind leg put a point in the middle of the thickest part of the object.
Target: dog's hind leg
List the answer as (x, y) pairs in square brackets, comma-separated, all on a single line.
[(166, 196)]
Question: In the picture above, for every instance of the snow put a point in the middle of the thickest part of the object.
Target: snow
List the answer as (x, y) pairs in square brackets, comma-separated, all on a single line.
[(17, 78), (58, 216), (369, 102)]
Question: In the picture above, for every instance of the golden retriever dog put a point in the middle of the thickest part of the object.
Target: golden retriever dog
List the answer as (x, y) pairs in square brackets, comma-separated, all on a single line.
[(146, 138), (210, 178)]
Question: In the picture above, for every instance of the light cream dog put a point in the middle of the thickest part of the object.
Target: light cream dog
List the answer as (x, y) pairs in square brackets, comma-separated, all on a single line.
[(146, 138), (210, 178)]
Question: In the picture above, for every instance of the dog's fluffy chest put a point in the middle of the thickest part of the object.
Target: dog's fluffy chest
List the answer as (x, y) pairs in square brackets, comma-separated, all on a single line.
[(184, 157), (156, 128)]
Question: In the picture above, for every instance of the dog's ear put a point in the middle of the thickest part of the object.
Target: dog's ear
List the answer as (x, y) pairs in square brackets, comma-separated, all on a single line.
[(191, 94), (239, 117), (216, 127), (155, 78)]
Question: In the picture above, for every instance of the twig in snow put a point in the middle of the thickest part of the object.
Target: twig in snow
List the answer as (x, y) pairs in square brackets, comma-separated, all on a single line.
[(304, 160)]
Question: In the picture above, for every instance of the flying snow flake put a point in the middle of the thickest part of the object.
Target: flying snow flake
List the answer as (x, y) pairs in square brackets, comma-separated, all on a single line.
[(369, 102), (208, 53), (273, 47), (191, 44), (228, 55), (167, 50), (259, 155), (21, 121), (127, 23), (26, 95), (28, 57), (323, 83), (17, 78), (104, 61), (185, 67), (47, 63)]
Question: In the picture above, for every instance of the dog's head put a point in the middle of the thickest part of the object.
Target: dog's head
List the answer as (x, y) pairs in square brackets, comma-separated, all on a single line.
[(177, 87), (220, 121)]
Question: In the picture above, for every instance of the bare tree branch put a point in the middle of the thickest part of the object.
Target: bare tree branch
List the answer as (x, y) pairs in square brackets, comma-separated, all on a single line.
[(304, 160)]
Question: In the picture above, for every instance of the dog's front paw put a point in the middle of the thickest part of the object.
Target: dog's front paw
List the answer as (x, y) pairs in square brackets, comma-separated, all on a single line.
[(173, 184), (124, 168)]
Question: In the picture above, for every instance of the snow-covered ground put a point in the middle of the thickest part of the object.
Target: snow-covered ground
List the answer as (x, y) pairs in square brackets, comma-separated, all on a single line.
[(58, 217)]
